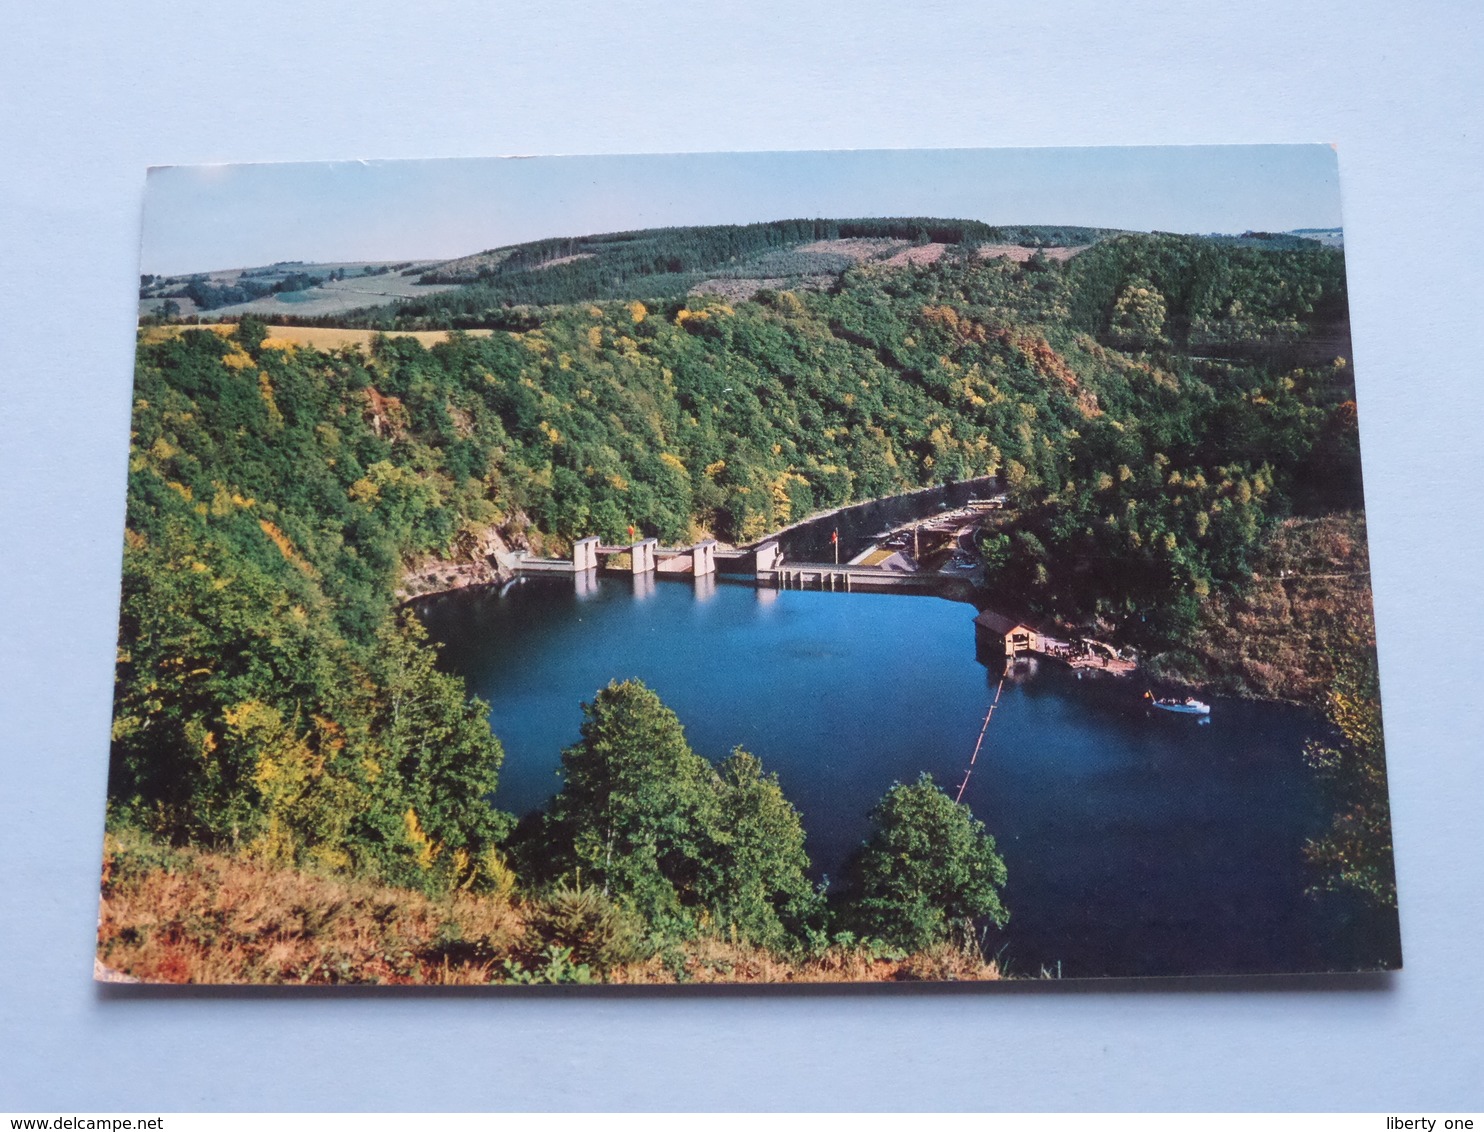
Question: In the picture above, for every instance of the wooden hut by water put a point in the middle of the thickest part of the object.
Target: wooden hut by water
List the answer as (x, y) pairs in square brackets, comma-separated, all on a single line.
[(1007, 634)]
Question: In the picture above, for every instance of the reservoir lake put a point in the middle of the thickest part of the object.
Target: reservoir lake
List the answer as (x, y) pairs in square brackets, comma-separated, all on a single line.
[(1135, 845)]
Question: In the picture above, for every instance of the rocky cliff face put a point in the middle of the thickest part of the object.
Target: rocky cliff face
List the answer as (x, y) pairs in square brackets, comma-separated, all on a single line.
[(474, 560)]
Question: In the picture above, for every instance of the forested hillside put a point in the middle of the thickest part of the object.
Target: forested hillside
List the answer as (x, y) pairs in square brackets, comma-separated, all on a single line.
[(1153, 404)]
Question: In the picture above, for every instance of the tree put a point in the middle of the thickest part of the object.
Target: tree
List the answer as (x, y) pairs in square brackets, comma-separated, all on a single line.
[(926, 873), (438, 748), (634, 815), (1139, 316), (994, 549), (251, 330), (653, 825), (760, 888)]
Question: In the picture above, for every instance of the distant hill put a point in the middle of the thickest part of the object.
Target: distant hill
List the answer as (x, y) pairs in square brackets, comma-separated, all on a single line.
[(1329, 237), (731, 259), (720, 247), (498, 286), (284, 288), (1295, 240), (734, 260)]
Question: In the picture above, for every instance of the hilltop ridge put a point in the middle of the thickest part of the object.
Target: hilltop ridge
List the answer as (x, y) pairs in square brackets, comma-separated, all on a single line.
[(733, 261)]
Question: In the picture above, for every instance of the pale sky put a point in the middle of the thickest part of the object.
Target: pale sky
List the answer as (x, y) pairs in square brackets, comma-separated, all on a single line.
[(210, 217)]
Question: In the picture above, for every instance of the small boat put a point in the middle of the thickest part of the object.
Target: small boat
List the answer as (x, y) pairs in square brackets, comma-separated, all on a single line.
[(1188, 706)]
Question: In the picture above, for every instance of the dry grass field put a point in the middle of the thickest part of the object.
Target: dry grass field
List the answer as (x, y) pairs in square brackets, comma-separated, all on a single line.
[(1020, 255), (860, 249), (319, 337), (917, 255)]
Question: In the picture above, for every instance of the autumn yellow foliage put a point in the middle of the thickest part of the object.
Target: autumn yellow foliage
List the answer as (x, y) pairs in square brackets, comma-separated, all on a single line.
[(286, 547)]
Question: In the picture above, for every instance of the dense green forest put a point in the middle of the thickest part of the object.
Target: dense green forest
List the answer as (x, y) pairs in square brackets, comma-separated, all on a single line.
[(1154, 404)]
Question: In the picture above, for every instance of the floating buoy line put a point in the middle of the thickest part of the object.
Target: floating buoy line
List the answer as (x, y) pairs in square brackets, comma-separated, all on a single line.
[(979, 743)]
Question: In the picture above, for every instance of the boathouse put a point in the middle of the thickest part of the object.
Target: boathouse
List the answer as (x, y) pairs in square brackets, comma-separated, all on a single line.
[(1006, 634)]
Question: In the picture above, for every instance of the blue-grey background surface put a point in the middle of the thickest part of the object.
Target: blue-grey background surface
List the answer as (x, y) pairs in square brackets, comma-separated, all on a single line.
[(92, 95)]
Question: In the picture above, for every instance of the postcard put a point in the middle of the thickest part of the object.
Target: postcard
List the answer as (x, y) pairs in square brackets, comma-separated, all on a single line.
[(746, 568)]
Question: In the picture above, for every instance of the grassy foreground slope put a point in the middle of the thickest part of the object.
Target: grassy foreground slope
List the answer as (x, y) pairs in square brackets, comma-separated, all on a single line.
[(186, 915)]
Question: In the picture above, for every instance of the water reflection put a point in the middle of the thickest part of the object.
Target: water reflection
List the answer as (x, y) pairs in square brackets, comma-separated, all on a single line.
[(586, 584)]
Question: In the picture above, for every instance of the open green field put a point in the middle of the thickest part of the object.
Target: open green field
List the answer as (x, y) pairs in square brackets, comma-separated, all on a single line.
[(362, 287)]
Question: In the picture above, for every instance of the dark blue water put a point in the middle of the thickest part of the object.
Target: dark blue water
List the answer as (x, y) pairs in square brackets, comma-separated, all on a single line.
[(1134, 845)]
